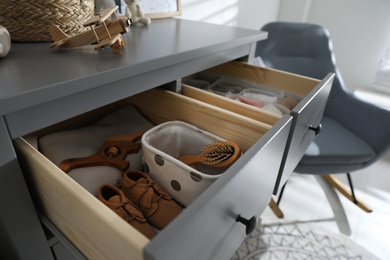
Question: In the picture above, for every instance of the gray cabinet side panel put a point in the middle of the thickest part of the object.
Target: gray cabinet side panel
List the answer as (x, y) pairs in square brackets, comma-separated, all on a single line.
[(21, 233)]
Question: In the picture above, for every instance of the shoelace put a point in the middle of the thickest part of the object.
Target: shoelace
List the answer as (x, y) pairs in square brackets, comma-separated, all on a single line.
[(130, 214), (149, 185), (157, 190)]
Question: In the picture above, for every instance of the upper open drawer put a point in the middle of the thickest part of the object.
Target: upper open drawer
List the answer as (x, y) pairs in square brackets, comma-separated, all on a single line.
[(265, 94), (100, 234)]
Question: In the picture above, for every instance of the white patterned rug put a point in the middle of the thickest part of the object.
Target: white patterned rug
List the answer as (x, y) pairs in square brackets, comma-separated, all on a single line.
[(274, 241)]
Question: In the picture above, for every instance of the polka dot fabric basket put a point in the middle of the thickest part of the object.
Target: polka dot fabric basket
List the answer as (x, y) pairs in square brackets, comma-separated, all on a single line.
[(163, 144)]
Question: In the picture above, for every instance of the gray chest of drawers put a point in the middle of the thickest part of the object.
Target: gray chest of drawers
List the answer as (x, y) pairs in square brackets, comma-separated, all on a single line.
[(41, 87)]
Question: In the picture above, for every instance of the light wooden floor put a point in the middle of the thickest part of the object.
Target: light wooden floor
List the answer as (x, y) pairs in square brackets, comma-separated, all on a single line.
[(305, 200)]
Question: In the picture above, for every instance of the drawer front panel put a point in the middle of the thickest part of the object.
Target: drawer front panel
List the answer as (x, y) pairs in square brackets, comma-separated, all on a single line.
[(306, 115), (208, 229)]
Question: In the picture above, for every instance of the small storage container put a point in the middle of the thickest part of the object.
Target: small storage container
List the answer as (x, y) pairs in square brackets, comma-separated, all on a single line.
[(163, 145)]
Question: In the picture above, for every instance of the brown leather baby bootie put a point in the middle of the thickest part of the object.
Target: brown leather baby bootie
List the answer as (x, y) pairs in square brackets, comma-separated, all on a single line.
[(113, 198), (156, 204)]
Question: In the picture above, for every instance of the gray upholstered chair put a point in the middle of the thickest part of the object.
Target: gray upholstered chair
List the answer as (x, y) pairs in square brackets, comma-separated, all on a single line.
[(354, 133)]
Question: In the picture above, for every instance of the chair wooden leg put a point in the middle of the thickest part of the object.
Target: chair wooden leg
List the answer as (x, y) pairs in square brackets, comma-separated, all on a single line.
[(337, 184), (275, 205), (275, 208)]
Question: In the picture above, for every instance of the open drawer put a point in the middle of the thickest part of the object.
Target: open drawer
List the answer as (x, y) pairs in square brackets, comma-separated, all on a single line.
[(208, 228), (311, 96)]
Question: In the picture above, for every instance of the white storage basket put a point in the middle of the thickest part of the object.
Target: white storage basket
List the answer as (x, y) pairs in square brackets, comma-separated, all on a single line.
[(163, 144)]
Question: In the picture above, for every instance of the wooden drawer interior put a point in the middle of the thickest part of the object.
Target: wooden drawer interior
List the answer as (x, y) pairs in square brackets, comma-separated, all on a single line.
[(162, 105), (261, 77), (277, 79), (92, 227)]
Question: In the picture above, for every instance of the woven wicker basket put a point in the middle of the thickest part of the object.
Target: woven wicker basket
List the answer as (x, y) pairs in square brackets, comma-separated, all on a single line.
[(28, 20)]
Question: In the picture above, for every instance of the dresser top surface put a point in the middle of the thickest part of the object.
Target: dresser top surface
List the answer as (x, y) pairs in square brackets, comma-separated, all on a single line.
[(33, 72)]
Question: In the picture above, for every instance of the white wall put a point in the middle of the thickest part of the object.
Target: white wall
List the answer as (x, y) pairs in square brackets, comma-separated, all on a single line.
[(251, 14), (360, 31)]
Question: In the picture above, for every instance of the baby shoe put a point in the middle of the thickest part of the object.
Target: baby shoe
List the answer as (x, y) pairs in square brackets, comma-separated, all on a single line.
[(156, 204), (113, 198)]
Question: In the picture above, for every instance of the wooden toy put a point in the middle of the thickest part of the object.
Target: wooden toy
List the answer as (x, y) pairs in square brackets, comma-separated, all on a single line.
[(103, 32), (103, 4), (112, 153), (134, 12)]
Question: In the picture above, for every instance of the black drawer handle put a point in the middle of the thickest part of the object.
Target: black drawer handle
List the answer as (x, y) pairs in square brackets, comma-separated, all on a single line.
[(249, 223), (317, 130)]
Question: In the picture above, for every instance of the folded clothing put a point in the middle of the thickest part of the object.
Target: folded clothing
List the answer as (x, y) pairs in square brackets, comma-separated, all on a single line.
[(86, 141)]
